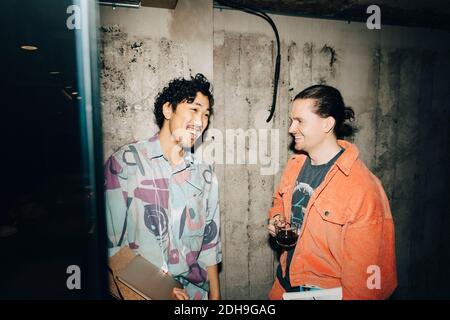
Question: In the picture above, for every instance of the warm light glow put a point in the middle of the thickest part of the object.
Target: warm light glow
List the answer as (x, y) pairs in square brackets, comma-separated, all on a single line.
[(29, 48), (74, 93)]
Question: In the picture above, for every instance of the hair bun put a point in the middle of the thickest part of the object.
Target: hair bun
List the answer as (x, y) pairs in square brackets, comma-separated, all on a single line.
[(349, 114)]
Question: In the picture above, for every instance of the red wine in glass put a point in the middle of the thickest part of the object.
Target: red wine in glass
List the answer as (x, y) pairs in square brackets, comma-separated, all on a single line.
[(287, 236)]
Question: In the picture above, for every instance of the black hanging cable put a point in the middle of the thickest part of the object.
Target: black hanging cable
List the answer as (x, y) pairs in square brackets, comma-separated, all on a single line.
[(266, 17)]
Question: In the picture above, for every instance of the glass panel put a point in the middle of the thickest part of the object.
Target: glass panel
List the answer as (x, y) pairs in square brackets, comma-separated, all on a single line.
[(49, 226)]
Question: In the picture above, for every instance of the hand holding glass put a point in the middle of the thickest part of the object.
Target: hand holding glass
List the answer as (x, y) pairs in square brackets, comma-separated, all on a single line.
[(286, 234)]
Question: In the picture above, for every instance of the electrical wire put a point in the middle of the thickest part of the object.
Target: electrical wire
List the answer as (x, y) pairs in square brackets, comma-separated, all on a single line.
[(263, 15)]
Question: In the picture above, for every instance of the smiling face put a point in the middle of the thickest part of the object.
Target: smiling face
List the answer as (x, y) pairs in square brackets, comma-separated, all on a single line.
[(188, 121), (308, 129)]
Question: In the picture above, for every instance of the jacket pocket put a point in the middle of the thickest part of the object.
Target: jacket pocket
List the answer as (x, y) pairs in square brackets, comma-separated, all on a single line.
[(330, 223), (330, 211)]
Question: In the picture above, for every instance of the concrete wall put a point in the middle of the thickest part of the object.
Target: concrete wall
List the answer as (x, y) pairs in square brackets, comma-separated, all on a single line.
[(395, 79), (141, 50)]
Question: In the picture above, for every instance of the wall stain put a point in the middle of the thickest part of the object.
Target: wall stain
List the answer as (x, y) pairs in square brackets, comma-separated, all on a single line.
[(121, 106), (110, 28), (308, 49), (326, 49), (138, 50), (322, 80), (113, 31), (136, 45)]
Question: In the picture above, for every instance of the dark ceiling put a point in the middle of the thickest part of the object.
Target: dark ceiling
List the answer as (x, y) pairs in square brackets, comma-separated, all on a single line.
[(413, 13), (427, 14)]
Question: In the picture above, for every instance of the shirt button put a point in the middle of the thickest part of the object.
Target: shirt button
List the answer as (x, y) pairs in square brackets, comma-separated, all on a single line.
[(327, 213)]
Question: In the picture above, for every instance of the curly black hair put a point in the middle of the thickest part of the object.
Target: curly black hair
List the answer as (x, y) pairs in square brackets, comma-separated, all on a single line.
[(181, 90)]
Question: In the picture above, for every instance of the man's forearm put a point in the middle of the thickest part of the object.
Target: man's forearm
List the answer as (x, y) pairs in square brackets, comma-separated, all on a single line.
[(214, 287)]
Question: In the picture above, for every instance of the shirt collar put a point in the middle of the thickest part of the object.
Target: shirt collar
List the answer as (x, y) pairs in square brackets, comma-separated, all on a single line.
[(155, 151)]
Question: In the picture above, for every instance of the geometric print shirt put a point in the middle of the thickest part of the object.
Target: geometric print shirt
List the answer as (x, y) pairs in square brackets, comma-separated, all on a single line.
[(169, 215)]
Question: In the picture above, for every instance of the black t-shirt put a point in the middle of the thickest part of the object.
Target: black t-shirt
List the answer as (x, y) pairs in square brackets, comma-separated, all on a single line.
[(309, 178)]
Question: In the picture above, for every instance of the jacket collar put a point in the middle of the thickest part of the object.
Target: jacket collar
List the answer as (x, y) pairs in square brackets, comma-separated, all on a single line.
[(344, 162), (347, 159)]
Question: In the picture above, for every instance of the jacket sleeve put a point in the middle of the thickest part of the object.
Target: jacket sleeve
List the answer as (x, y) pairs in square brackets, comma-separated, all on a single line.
[(369, 268), (277, 198)]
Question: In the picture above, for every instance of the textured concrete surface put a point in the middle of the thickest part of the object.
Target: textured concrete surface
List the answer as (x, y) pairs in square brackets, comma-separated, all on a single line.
[(395, 79), (140, 51), (130, 80)]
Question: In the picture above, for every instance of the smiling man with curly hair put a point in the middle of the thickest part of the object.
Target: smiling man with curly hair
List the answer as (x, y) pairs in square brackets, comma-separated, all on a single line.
[(161, 202)]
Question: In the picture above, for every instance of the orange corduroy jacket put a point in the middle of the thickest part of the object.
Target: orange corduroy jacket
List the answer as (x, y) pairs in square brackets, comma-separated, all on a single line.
[(347, 237)]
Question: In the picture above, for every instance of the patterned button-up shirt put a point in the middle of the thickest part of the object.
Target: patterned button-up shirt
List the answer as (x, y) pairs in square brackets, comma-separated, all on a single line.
[(168, 215)]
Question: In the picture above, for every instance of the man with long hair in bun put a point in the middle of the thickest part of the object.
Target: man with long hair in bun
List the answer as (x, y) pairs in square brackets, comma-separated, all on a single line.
[(346, 231)]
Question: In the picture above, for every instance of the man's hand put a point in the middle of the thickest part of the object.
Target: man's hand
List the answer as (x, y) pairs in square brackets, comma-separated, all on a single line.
[(214, 286), (279, 221), (180, 294)]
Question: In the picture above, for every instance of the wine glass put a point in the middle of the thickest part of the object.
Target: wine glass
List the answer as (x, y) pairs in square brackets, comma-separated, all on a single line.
[(287, 234)]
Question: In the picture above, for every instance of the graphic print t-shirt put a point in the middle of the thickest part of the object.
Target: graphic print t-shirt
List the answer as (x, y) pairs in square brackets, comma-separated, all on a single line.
[(309, 178)]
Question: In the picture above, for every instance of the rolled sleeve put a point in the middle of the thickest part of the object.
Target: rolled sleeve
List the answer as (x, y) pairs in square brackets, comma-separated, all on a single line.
[(277, 203)]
